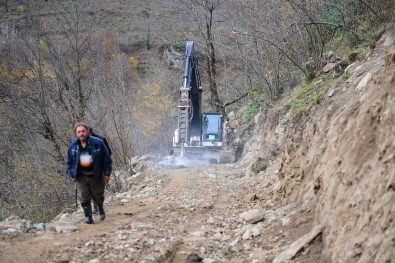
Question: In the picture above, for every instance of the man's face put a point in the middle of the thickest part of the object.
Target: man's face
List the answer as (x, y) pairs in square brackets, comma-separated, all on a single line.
[(82, 133)]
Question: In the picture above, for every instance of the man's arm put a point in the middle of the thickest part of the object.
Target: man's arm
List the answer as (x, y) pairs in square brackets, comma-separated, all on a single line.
[(108, 146), (107, 165), (69, 162)]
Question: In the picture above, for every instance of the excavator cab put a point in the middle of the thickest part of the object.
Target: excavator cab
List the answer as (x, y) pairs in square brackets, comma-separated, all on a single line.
[(212, 129)]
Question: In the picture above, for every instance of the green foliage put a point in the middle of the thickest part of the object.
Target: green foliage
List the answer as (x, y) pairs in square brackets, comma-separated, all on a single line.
[(337, 42), (42, 45), (259, 165), (333, 16), (133, 62), (255, 92), (20, 8), (258, 101), (309, 94), (355, 53), (253, 108)]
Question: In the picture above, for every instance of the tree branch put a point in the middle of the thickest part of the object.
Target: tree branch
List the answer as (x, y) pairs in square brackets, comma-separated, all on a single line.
[(236, 99)]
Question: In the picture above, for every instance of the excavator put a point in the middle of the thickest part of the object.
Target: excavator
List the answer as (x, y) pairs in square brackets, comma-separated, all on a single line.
[(198, 134)]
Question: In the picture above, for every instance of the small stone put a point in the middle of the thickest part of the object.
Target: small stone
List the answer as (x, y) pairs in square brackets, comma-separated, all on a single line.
[(193, 257), (247, 234), (285, 221), (252, 216)]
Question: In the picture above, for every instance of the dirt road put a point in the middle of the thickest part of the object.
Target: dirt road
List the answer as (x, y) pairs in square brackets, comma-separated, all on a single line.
[(182, 215)]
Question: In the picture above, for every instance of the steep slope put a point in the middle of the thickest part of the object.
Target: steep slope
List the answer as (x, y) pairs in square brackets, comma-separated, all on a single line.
[(340, 158), (357, 169)]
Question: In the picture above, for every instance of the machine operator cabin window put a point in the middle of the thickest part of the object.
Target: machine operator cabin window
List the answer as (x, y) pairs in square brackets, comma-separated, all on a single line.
[(212, 127)]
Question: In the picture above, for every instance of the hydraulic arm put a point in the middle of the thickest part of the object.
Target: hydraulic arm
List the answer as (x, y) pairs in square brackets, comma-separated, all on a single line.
[(197, 132)]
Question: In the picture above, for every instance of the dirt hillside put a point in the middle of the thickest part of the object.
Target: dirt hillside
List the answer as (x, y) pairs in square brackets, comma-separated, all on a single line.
[(340, 157), (318, 187)]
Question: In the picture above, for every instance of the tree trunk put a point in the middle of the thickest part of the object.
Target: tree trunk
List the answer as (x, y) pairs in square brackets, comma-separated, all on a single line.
[(215, 101)]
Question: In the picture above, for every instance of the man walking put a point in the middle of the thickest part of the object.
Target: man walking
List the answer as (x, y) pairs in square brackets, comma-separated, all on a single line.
[(89, 164)]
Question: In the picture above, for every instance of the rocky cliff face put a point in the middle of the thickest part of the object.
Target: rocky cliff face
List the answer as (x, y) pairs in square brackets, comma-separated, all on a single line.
[(339, 158)]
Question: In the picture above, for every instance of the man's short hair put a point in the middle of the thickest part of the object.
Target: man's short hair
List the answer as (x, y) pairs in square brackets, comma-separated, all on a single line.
[(79, 124)]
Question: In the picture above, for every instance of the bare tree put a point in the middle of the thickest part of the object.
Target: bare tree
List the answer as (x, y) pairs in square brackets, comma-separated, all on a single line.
[(77, 30), (210, 8), (44, 113), (200, 21)]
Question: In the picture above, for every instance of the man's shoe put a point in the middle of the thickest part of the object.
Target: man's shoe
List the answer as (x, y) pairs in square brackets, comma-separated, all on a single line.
[(87, 212), (102, 215), (88, 220)]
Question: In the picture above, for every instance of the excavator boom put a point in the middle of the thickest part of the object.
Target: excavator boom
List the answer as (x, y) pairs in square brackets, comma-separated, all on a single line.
[(197, 133)]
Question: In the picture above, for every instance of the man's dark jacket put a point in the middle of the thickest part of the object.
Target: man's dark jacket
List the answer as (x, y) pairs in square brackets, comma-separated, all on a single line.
[(104, 140), (102, 161)]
